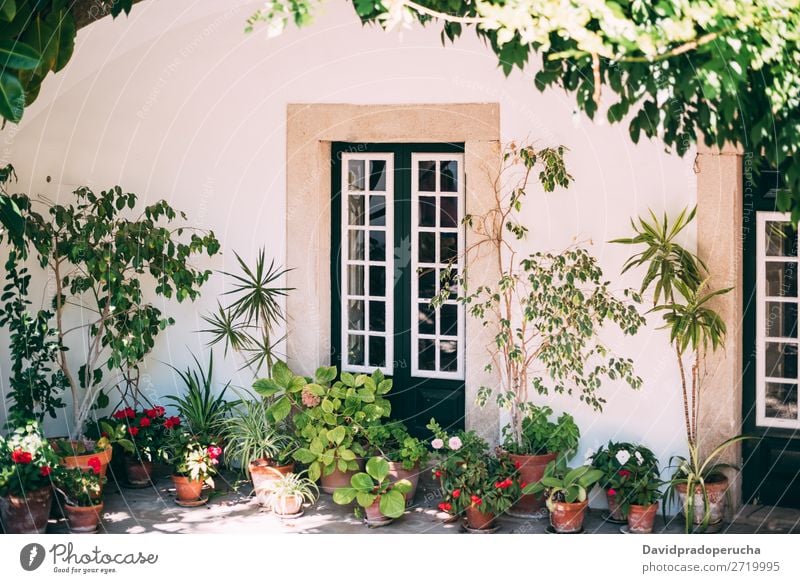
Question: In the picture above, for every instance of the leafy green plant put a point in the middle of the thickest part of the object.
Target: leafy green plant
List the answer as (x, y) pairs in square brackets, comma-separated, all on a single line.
[(367, 487), (202, 410), (291, 484), (393, 442), (251, 434), (540, 436), (79, 487), (561, 483), (641, 488), (619, 460), (246, 325), (191, 456), (26, 460)]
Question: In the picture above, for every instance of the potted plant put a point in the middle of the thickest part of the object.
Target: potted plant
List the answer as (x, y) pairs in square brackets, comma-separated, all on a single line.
[(194, 463), (78, 453), (289, 492), (26, 462), (82, 492), (147, 430), (381, 499), (405, 453), (545, 310), (679, 280), (638, 497), (617, 461), (566, 493)]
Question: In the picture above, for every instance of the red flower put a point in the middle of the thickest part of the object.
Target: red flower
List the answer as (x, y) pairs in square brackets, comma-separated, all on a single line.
[(126, 413), (523, 484), (612, 492), (476, 500), (94, 463), (437, 474), (517, 465), (624, 473), (44, 471), (103, 434), (445, 507), (172, 422), (144, 422), (456, 492), (504, 484), (133, 430), (214, 452), (19, 456), (155, 412)]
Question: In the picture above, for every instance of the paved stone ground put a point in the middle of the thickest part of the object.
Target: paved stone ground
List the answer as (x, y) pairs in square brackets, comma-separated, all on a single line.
[(230, 509)]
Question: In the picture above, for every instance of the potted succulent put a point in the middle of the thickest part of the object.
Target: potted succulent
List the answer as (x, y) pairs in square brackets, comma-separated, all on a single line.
[(381, 499), (82, 492), (566, 493), (679, 280), (405, 453), (194, 464), (26, 462), (617, 461), (146, 430), (638, 497), (290, 492)]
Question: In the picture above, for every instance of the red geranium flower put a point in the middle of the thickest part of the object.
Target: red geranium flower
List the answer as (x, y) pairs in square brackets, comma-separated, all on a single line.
[(155, 412), (44, 471), (133, 430), (476, 500), (612, 492), (94, 463), (445, 507), (437, 474), (19, 456), (172, 422), (456, 492), (144, 422), (624, 473)]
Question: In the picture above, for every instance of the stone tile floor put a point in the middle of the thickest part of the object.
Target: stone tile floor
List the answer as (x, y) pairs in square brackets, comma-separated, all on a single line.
[(230, 509)]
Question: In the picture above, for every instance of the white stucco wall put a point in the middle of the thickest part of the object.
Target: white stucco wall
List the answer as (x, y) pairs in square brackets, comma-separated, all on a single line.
[(177, 102)]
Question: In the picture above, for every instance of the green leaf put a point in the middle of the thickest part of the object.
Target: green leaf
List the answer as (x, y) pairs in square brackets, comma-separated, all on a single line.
[(378, 468), (8, 9), (304, 455), (325, 374), (362, 482), (365, 499), (403, 486), (314, 471), (346, 454), (337, 434), (281, 409), (393, 504), (344, 495), (12, 97), (18, 55), (267, 387)]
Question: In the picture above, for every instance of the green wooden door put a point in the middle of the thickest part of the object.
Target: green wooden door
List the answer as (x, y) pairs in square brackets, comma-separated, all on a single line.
[(770, 333), (396, 224)]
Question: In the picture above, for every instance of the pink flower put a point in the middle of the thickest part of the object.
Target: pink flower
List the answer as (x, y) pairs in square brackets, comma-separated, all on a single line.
[(437, 443), (454, 443), (214, 452), (612, 492)]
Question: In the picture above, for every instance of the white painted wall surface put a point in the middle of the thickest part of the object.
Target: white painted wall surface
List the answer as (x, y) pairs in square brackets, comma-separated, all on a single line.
[(177, 102)]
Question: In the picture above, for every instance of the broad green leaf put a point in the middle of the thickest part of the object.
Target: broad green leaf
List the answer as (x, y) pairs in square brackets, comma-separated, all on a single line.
[(281, 374), (304, 456), (362, 482), (337, 434), (393, 504), (267, 387), (378, 468), (12, 96), (325, 374), (314, 471), (344, 495), (18, 55), (402, 486), (281, 409), (365, 499)]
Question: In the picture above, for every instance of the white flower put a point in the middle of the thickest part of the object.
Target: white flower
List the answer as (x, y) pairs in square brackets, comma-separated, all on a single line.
[(454, 443), (437, 443), (639, 458), (623, 456)]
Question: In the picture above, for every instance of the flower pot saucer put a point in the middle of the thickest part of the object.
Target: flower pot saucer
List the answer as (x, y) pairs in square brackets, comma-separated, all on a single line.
[(289, 516), (550, 530), (606, 517), (378, 523), (492, 530), (192, 503)]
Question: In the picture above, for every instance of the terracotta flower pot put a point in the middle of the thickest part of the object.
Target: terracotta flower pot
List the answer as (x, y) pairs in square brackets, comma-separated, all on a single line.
[(82, 461), (374, 515), (138, 472), (264, 473), (338, 479), (716, 501), (531, 469), (83, 518), (26, 514), (614, 510), (397, 473), (642, 518), (287, 505), (567, 517), (186, 489), (479, 520)]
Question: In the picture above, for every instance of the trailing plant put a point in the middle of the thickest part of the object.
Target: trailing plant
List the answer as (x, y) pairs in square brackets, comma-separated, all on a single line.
[(539, 435), (393, 442), (247, 324), (79, 487), (250, 434), (619, 460), (26, 460), (374, 484), (102, 258), (561, 483), (203, 411)]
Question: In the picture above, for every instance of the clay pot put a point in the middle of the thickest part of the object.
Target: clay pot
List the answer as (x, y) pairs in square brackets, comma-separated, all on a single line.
[(339, 479), (26, 514), (287, 505), (479, 520), (614, 510), (642, 518), (397, 473), (186, 489), (82, 461), (374, 515), (264, 473), (83, 518), (138, 472), (531, 469), (567, 517), (716, 490)]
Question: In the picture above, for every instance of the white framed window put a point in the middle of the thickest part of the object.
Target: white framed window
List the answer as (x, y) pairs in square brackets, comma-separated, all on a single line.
[(776, 321), (437, 239)]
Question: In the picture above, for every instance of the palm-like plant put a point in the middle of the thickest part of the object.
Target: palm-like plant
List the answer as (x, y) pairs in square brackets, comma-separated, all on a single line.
[(247, 324)]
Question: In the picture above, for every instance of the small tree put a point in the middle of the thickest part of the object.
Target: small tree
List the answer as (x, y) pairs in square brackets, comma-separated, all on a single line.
[(102, 262), (546, 309)]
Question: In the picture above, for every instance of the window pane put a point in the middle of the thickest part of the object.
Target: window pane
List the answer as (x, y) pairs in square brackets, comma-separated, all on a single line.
[(377, 316), (377, 210), (448, 355), (449, 320), (427, 211), (355, 174), (448, 215), (427, 283), (781, 320), (781, 360), (355, 206), (355, 314), (781, 239), (781, 279), (427, 176), (377, 175), (427, 354), (355, 280), (449, 176), (377, 245), (377, 351), (781, 401), (427, 247), (355, 349), (427, 318), (377, 281), (355, 248), (448, 247)]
